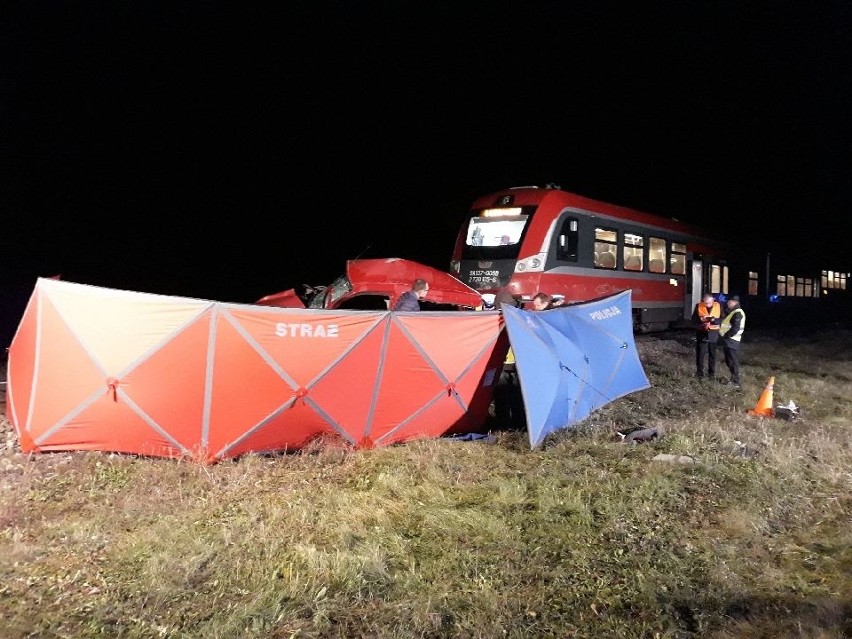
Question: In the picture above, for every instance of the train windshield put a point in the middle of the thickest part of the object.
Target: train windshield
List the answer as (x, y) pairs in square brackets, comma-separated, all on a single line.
[(496, 233)]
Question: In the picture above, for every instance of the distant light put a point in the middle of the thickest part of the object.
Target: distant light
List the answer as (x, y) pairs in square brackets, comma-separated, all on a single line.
[(774, 298)]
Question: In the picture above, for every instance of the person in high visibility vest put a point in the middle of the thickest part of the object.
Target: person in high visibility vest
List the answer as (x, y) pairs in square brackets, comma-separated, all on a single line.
[(731, 333), (707, 318)]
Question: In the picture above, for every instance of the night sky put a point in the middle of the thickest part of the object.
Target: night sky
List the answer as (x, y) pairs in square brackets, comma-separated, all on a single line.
[(220, 151)]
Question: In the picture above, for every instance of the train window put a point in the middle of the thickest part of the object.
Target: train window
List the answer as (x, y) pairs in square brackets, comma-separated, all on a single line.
[(781, 286), (496, 230), (605, 248), (566, 249), (809, 287), (791, 286), (752, 282), (633, 251), (657, 255), (715, 278), (678, 259), (834, 279)]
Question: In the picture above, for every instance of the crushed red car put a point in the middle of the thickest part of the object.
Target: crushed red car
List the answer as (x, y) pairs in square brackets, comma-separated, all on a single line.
[(376, 284)]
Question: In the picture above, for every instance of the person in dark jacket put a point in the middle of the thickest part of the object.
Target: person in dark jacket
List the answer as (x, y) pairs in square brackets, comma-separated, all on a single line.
[(707, 318), (410, 300), (731, 333)]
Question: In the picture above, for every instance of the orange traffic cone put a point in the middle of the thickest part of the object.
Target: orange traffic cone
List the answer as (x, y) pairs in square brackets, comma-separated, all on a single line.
[(763, 408)]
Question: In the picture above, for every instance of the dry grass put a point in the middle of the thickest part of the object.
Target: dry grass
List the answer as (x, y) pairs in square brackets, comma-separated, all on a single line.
[(586, 537)]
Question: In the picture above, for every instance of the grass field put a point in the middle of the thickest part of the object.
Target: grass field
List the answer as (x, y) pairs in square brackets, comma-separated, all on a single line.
[(585, 537)]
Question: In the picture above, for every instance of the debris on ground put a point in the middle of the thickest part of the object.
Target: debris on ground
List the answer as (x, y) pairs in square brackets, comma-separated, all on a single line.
[(787, 411), (640, 435)]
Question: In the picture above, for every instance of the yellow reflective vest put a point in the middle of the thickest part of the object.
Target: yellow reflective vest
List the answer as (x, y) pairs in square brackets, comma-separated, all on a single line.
[(729, 321)]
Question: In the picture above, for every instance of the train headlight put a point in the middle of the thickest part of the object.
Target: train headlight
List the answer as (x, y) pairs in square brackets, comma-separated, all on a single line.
[(530, 264)]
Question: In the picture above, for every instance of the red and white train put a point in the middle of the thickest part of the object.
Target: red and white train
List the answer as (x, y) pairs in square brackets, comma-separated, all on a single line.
[(531, 239)]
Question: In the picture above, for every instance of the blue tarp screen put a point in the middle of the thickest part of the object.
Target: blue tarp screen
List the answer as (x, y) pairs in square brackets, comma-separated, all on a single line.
[(572, 360)]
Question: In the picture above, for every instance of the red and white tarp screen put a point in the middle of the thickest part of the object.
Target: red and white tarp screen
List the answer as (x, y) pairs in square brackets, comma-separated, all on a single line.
[(92, 368)]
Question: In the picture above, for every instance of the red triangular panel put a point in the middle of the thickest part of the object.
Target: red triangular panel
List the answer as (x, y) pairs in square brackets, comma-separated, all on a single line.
[(408, 383), (169, 385), (290, 430), (20, 371), (246, 389), (433, 422), (110, 426), (478, 387), (66, 375), (119, 327), (304, 342), (346, 391), (469, 333)]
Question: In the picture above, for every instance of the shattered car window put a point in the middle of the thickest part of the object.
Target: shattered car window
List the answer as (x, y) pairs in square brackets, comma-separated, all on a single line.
[(339, 287), (318, 300)]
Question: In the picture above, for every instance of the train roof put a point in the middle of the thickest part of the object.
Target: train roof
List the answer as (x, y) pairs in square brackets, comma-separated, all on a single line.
[(536, 195)]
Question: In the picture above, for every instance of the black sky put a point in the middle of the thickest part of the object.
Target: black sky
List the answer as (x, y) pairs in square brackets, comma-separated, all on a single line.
[(223, 151)]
